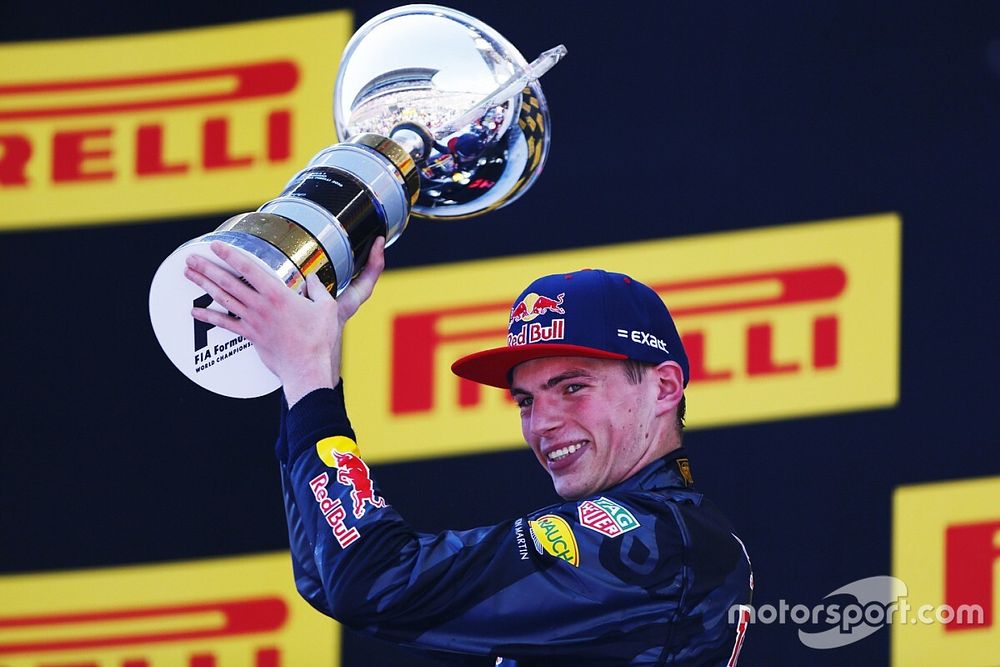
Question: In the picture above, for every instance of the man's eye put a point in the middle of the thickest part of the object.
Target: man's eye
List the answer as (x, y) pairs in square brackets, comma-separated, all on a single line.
[(573, 388), (524, 402)]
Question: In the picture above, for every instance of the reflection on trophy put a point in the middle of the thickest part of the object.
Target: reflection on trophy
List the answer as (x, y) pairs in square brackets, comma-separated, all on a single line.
[(437, 114)]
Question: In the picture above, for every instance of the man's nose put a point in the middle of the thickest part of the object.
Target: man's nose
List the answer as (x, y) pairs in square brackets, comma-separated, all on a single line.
[(545, 416)]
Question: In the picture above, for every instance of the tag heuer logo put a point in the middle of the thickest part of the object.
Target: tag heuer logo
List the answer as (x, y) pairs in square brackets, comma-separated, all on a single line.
[(606, 517)]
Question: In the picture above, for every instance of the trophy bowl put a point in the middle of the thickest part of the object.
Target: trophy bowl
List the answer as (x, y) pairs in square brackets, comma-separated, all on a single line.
[(462, 94), (436, 115)]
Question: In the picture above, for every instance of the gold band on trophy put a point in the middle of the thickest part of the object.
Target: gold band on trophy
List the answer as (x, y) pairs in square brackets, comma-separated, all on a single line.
[(291, 239), (395, 153)]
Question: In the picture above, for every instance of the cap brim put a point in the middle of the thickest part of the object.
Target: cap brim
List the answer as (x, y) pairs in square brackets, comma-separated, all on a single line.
[(492, 367)]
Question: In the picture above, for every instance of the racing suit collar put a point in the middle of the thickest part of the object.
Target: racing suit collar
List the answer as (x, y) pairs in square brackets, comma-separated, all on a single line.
[(663, 473)]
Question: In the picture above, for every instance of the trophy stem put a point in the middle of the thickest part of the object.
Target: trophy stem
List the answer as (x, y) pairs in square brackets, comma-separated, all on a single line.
[(348, 195)]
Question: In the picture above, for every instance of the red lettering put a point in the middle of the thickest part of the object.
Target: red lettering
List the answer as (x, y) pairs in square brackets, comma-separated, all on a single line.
[(345, 536), (149, 153), (809, 284), (15, 151), (279, 135), (598, 519), (250, 616), (759, 355), (81, 156), (971, 550), (268, 657), (71, 158), (468, 393), (263, 657), (215, 139), (348, 538), (326, 504), (694, 346), (235, 82), (416, 336), (318, 484), (825, 335), (336, 516), (415, 340)]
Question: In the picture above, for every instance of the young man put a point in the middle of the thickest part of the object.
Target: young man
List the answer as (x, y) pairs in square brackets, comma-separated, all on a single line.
[(635, 568)]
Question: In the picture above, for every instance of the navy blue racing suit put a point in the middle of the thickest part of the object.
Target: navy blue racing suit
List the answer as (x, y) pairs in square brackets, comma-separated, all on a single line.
[(647, 572)]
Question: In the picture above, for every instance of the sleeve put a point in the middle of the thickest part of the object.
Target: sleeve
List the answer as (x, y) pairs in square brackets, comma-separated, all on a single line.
[(523, 588), (304, 570)]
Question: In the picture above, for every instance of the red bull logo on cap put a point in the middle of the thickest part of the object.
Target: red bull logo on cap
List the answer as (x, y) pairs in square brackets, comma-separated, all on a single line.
[(534, 332), (533, 305)]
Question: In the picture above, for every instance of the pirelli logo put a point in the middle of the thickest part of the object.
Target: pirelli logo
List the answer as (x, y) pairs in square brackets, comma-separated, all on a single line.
[(157, 125), (239, 611), (946, 547), (778, 323)]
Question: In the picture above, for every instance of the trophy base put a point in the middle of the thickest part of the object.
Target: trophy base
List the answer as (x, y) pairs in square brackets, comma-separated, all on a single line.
[(213, 358)]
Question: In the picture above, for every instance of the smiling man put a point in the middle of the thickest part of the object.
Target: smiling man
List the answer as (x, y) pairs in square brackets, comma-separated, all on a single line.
[(634, 568)]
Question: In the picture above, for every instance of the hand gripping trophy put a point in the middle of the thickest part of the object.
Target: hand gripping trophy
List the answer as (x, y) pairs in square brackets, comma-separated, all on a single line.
[(437, 115)]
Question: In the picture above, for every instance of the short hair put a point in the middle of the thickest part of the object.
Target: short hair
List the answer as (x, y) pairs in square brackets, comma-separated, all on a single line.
[(636, 370)]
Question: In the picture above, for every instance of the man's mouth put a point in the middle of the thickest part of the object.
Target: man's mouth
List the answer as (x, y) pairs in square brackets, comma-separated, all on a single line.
[(562, 456)]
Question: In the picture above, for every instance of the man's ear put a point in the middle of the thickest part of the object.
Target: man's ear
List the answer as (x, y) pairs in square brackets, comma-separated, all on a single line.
[(669, 386)]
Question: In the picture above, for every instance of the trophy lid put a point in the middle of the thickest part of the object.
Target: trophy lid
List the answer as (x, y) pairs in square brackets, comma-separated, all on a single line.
[(453, 89)]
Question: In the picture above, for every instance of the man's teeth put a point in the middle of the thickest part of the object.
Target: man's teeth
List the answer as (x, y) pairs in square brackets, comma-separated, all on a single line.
[(564, 451)]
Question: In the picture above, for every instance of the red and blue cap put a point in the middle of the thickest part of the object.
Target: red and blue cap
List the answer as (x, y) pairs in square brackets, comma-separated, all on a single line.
[(590, 313)]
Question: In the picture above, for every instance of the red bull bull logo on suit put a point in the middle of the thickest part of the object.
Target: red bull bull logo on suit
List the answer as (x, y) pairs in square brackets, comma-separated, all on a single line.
[(353, 472), (342, 453)]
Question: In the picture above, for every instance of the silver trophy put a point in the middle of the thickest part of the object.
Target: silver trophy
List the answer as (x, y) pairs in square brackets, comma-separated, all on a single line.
[(437, 115)]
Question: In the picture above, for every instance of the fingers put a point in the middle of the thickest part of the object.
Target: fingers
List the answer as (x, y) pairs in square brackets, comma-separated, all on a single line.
[(237, 326), (262, 281), (219, 294), (362, 287), (225, 288), (315, 289), (364, 284)]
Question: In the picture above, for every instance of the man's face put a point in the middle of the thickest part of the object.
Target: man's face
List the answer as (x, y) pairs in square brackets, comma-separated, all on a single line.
[(585, 423)]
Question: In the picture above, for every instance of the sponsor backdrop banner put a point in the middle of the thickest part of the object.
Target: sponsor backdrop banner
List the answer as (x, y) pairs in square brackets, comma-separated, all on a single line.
[(777, 322), (164, 124), (946, 548), (823, 228), (226, 611)]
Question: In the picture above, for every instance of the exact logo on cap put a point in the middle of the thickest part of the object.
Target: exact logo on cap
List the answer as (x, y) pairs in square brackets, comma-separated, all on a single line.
[(644, 338)]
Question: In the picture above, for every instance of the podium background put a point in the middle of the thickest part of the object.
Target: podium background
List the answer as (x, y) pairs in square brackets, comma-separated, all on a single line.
[(670, 121)]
